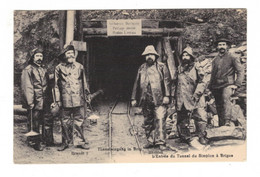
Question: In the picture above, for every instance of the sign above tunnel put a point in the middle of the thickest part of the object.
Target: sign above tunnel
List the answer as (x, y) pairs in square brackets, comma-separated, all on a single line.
[(124, 27)]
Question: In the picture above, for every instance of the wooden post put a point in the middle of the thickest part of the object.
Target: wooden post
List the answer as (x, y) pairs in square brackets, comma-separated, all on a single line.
[(180, 48), (79, 36), (70, 26), (170, 58), (159, 49), (62, 29)]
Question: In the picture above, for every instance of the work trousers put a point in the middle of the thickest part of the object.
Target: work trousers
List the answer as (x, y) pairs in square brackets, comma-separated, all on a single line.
[(199, 116), (223, 104), (72, 126), (42, 124), (154, 121)]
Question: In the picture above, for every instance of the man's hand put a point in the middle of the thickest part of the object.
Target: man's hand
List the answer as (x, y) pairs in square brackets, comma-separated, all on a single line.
[(195, 98), (88, 97), (166, 100), (54, 104), (31, 106), (133, 103), (232, 87)]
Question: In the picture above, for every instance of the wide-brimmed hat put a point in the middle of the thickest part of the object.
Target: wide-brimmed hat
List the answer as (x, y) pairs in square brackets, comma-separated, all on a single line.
[(33, 52), (189, 51), (66, 48), (223, 40), (150, 50)]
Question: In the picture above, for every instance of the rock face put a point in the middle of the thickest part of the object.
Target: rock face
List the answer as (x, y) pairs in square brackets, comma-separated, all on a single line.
[(202, 27)]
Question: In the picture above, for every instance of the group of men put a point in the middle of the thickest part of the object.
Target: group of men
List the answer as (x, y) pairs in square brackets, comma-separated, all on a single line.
[(153, 87), (152, 91), (69, 95)]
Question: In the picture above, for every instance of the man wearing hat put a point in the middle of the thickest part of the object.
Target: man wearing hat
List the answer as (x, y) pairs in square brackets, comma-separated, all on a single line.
[(34, 82), (193, 79), (71, 91), (151, 91), (227, 76)]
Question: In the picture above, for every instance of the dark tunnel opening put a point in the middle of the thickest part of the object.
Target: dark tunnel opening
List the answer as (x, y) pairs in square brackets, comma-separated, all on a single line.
[(115, 62)]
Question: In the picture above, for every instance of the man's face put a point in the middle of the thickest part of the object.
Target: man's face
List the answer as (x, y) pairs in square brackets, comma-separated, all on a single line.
[(186, 58), (70, 56), (222, 47), (150, 58), (38, 57)]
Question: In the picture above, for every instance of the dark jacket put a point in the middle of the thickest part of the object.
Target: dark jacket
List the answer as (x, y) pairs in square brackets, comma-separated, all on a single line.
[(191, 82), (224, 69), (70, 84), (34, 85), (159, 78)]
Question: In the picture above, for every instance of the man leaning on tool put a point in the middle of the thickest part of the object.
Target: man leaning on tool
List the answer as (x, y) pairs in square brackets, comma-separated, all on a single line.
[(193, 79), (152, 89), (71, 91), (34, 82), (223, 83)]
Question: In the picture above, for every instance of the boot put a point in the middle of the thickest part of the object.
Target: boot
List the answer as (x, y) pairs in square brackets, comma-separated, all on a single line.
[(229, 123), (84, 146), (148, 145), (39, 146), (203, 140), (63, 147)]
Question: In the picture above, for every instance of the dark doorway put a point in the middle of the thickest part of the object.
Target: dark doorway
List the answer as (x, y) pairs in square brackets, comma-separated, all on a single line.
[(114, 63)]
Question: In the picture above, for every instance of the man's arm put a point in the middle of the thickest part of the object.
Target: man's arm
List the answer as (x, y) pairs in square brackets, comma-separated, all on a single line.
[(135, 87), (204, 79), (239, 71), (27, 87), (85, 84), (167, 81), (56, 86)]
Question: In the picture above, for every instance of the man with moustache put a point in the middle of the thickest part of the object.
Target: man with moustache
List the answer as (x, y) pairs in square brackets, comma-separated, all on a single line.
[(34, 82), (193, 79), (71, 91), (225, 68), (151, 91)]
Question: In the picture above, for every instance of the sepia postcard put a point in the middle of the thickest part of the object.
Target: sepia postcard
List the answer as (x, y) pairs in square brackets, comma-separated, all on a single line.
[(130, 86)]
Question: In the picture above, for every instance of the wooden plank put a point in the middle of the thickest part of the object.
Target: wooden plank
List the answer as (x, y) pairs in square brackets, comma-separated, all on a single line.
[(226, 132), (62, 28), (146, 23), (159, 49), (103, 31), (150, 24), (79, 45), (170, 58)]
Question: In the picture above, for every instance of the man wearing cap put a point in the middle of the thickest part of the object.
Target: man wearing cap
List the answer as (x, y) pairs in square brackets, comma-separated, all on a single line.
[(34, 82), (151, 91), (71, 91), (193, 79), (225, 68)]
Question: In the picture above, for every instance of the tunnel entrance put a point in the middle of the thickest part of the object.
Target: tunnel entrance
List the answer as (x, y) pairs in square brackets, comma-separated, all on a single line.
[(114, 63)]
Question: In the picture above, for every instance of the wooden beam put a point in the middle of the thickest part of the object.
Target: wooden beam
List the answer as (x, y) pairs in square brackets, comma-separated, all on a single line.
[(105, 36), (103, 31), (62, 29), (70, 26), (170, 58)]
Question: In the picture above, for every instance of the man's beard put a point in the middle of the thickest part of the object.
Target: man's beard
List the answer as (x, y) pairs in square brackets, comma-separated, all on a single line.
[(222, 50), (186, 61), (150, 61), (70, 59), (38, 62)]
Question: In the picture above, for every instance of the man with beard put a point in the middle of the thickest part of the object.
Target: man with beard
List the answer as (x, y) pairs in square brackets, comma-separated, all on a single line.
[(71, 91), (34, 82), (225, 67), (152, 90), (193, 79)]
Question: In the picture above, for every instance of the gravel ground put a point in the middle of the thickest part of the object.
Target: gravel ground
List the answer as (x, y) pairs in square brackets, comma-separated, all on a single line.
[(123, 142)]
